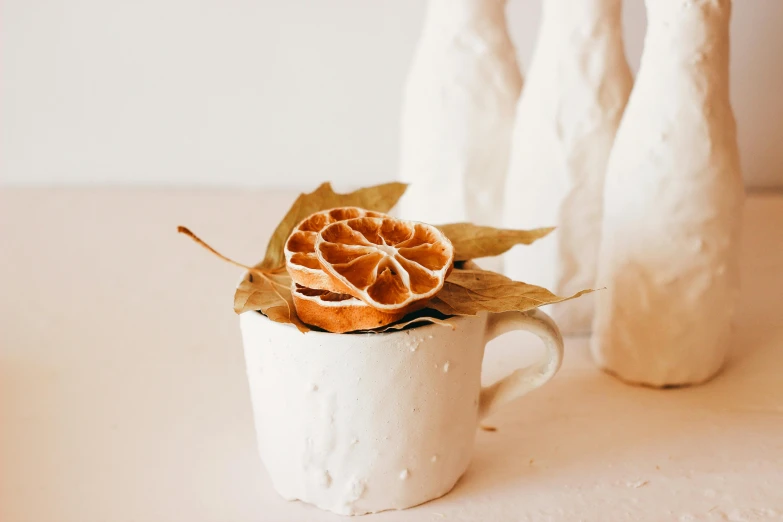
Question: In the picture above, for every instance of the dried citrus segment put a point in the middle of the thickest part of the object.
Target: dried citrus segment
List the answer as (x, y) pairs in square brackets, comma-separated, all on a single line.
[(388, 263), (300, 259), (338, 313)]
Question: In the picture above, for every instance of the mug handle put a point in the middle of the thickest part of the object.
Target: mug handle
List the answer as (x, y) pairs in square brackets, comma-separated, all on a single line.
[(526, 379)]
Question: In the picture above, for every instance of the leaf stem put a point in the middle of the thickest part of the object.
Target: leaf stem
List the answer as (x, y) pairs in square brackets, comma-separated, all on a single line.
[(257, 271)]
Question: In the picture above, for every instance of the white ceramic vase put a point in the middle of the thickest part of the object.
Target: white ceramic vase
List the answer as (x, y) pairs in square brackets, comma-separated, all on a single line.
[(359, 423), (576, 90), (457, 114), (673, 206)]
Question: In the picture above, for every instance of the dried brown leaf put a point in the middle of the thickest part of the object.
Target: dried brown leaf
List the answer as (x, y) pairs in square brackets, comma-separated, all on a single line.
[(271, 296), (380, 198), (473, 241), (470, 291)]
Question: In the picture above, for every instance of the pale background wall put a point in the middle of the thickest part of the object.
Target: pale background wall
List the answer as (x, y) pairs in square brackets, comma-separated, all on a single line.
[(262, 92)]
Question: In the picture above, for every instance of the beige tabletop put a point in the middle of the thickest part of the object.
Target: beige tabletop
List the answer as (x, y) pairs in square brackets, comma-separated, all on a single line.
[(123, 394)]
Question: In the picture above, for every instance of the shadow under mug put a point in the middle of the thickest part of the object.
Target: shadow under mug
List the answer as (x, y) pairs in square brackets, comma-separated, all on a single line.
[(361, 423)]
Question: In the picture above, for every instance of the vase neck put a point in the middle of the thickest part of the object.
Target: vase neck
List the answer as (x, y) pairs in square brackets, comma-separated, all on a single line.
[(687, 25), (585, 16), (686, 53), (692, 35), (453, 16)]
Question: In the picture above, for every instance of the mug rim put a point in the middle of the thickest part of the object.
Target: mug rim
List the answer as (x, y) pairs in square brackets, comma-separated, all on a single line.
[(424, 325)]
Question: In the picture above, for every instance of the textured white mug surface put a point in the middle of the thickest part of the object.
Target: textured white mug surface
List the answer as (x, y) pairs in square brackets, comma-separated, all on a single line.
[(360, 423)]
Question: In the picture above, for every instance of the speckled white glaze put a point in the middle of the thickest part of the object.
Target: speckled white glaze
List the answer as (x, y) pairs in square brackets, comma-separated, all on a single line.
[(360, 423), (673, 206), (577, 88)]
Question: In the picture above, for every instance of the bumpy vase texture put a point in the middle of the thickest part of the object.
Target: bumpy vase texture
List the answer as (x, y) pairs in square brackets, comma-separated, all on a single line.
[(672, 206), (458, 113), (576, 90)]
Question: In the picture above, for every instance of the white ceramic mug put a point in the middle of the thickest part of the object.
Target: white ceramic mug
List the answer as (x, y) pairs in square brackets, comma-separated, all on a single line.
[(360, 423)]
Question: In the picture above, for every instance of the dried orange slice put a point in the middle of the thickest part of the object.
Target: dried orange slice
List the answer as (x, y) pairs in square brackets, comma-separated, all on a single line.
[(338, 313), (300, 259), (388, 263)]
